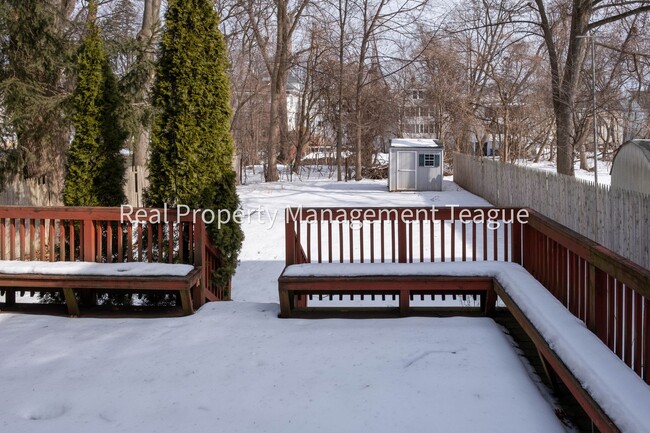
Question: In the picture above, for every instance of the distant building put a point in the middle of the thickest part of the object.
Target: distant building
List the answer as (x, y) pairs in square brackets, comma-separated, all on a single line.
[(418, 119), (631, 166)]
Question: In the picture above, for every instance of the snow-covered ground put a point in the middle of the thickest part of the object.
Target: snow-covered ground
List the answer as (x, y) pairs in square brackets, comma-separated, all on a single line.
[(236, 367), (604, 168)]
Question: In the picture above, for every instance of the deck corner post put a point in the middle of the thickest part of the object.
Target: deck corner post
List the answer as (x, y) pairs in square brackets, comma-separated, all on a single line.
[(198, 294)]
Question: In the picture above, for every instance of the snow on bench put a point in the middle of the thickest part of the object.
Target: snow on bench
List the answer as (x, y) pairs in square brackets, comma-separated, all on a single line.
[(130, 269), (619, 392), (16, 275)]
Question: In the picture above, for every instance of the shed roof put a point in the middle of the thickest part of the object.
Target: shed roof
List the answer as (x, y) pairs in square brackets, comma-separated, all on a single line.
[(415, 142), (644, 145)]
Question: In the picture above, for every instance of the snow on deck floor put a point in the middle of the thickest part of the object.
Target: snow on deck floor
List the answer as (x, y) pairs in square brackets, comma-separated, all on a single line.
[(235, 367)]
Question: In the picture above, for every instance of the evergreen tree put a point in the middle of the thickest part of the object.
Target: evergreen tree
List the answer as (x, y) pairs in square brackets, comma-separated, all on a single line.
[(95, 168), (191, 146), (34, 85)]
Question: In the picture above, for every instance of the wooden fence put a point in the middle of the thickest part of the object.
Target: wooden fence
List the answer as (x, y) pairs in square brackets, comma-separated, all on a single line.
[(615, 218), (42, 192), (100, 234)]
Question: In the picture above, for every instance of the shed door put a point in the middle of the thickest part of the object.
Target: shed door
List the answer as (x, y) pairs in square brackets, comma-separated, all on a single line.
[(406, 169)]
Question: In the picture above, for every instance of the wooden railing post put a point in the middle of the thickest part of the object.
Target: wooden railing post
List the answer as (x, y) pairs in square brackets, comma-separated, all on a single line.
[(516, 243), (290, 238), (199, 256), (87, 243), (401, 238)]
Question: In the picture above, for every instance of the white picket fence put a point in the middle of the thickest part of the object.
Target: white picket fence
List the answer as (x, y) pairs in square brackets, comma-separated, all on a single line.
[(616, 218), (36, 192)]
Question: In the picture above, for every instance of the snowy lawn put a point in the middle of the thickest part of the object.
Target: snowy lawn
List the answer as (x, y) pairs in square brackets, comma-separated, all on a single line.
[(235, 367)]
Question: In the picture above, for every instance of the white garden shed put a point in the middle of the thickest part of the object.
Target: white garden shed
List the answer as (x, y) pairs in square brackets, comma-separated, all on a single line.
[(415, 165), (631, 166)]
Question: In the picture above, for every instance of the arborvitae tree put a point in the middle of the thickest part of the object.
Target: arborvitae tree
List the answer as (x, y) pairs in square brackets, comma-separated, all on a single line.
[(95, 168), (34, 63), (191, 145)]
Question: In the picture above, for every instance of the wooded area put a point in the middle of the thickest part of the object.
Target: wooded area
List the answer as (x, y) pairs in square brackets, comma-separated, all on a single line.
[(344, 76)]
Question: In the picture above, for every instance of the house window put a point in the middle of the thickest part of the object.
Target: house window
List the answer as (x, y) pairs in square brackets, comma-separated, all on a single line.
[(418, 94), (429, 160)]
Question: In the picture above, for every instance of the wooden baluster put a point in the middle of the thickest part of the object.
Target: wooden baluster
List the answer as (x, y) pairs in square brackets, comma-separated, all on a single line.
[(2, 239), (62, 241), (11, 225), (41, 234), (160, 243), (120, 241), (443, 250), (473, 241), (170, 241), (129, 242), (464, 242), (330, 246), (506, 243), (432, 240), (627, 337), (382, 239), (191, 239), (71, 254), (485, 238), (51, 239), (495, 244), (409, 228), (98, 242), (393, 246), (109, 241), (638, 331), (611, 308), (140, 252), (149, 242), (619, 319), (340, 224), (308, 228), (646, 330), (361, 244), (21, 237), (181, 241), (351, 241), (421, 224), (453, 240), (372, 241), (32, 239), (320, 241)]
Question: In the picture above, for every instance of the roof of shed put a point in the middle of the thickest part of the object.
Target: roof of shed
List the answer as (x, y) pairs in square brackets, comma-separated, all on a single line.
[(415, 142), (644, 145)]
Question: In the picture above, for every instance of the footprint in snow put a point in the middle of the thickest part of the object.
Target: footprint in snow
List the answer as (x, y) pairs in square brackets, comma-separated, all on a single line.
[(44, 412)]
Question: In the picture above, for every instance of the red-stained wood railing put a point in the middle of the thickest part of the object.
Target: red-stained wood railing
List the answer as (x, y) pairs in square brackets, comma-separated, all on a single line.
[(105, 235), (401, 235), (610, 294)]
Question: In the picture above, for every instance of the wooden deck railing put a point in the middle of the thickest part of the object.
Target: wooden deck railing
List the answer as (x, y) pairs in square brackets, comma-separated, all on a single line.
[(102, 235), (606, 291), (609, 293), (402, 235)]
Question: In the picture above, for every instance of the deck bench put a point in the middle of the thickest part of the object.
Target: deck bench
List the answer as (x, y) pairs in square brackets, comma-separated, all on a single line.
[(68, 277), (607, 389)]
